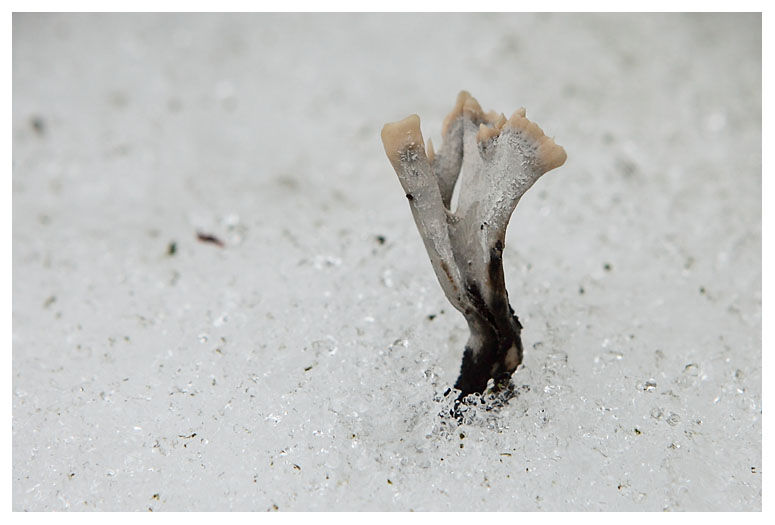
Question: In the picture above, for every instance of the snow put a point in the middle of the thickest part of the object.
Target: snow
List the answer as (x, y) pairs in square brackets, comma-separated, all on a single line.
[(302, 366)]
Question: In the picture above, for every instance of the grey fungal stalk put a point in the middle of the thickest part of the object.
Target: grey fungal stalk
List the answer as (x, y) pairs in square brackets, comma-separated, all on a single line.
[(497, 160)]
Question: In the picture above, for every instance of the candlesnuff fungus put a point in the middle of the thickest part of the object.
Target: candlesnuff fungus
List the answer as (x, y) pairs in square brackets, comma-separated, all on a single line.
[(499, 159)]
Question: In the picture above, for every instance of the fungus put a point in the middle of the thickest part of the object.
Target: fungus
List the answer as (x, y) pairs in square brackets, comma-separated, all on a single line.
[(496, 160)]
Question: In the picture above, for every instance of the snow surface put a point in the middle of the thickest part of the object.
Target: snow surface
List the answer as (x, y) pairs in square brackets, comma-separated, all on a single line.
[(302, 365)]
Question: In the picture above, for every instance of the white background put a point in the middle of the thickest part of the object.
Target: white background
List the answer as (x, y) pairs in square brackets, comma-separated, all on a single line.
[(301, 354)]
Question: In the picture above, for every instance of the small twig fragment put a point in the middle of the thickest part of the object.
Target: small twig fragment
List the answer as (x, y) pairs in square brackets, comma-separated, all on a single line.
[(207, 237)]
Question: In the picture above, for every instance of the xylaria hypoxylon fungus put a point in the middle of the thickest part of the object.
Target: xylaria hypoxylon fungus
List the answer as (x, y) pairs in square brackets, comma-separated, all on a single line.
[(499, 160)]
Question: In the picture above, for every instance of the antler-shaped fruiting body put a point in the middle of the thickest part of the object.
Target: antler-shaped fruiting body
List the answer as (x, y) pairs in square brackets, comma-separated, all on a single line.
[(499, 159)]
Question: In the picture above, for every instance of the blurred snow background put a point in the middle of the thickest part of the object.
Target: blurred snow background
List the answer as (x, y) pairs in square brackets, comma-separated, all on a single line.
[(300, 367)]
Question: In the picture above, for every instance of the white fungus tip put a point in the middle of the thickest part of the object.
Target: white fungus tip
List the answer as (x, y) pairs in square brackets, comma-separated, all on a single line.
[(456, 112), (401, 136), (549, 155)]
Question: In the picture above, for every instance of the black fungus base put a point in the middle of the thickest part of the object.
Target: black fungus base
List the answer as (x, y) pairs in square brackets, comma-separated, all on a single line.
[(485, 354)]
